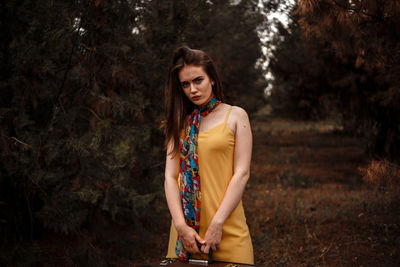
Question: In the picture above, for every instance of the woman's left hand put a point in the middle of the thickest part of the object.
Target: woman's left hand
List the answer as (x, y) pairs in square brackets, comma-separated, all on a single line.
[(212, 238)]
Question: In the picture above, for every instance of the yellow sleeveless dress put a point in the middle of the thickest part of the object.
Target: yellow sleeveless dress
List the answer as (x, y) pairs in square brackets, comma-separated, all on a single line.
[(215, 152)]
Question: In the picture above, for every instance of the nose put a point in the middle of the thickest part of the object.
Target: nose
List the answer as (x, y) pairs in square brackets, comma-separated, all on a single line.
[(193, 88)]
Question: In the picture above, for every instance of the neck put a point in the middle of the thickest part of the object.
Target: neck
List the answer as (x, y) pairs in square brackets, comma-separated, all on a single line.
[(209, 106), (206, 103)]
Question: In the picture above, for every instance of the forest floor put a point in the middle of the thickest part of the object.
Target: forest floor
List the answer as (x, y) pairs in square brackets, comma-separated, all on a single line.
[(306, 205)]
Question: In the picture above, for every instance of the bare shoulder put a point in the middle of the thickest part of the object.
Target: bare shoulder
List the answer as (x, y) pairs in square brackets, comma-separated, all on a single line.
[(239, 114), (239, 120)]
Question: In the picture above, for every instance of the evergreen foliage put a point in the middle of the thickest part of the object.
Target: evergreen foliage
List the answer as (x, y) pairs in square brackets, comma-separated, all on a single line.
[(342, 57), (82, 101)]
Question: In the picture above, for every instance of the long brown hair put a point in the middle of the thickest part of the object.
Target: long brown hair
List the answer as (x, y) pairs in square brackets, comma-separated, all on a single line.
[(177, 105)]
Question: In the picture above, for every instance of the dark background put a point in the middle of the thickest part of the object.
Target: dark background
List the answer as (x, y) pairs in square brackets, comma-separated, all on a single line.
[(82, 100)]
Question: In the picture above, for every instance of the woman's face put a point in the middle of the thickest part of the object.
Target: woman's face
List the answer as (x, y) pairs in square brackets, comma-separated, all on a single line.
[(196, 84)]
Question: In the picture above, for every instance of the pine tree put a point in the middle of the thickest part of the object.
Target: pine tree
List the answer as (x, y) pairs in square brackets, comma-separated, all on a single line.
[(343, 56), (364, 34), (81, 107)]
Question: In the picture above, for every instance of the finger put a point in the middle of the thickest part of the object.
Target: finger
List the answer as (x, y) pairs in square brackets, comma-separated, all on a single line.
[(199, 239), (191, 246), (203, 248), (207, 249), (214, 247), (195, 249), (188, 248)]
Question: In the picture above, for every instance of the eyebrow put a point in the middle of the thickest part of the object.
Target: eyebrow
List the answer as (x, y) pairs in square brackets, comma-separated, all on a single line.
[(201, 76)]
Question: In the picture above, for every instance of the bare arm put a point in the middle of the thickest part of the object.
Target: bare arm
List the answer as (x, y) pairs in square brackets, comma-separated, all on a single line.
[(187, 234), (171, 187), (241, 174)]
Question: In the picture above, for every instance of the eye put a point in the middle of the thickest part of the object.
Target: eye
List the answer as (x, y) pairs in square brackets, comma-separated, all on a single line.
[(198, 80), (184, 84)]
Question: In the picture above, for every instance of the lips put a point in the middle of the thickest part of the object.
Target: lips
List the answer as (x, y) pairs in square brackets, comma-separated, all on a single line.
[(196, 98)]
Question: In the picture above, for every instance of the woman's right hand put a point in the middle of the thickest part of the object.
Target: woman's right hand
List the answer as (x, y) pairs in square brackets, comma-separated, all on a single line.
[(190, 239), (188, 235)]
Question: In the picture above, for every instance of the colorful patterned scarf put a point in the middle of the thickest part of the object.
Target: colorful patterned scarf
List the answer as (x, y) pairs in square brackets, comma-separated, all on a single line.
[(189, 185)]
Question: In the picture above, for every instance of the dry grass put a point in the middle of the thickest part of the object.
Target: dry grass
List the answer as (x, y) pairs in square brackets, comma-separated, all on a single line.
[(382, 174)]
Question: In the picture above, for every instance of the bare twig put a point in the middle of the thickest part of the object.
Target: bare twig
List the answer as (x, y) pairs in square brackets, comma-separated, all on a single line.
[(94, 113), (21, 142)]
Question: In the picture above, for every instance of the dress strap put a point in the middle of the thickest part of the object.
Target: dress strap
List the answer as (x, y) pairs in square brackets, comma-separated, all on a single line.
[(227, 114)]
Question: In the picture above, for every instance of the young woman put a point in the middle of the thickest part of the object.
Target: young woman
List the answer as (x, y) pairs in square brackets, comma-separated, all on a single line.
[(209, 147)]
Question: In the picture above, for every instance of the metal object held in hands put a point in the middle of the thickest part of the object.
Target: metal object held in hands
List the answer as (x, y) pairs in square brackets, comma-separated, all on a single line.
[(202, 262)]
